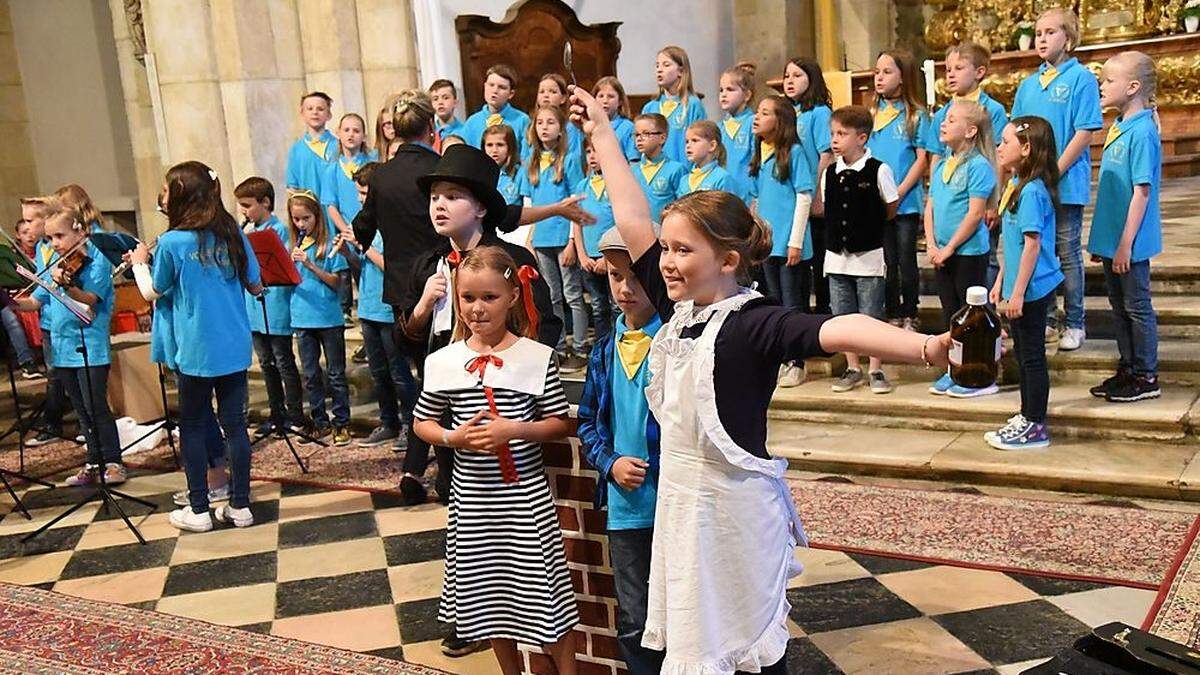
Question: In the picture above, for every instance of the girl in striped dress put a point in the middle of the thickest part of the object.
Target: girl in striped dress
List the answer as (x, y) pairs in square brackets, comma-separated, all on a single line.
[(506, 571)]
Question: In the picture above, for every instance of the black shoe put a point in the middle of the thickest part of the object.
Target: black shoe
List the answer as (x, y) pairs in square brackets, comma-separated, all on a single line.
[(265, 429), (412, 492), (42, 438), (1101, 390), (1136, 388), (359, 355), (455, 646), (572, 363)]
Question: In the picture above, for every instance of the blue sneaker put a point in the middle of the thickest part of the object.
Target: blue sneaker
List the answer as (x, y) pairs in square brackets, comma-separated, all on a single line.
[(957, 391), (942, 385), (1019, 434)]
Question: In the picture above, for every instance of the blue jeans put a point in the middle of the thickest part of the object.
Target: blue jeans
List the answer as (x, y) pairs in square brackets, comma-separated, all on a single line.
[(851, 295), (629, 551), (391, 373), (900, 252), (56, 394), (195, 428), (16, 336), (604, 309), (214, 441), (278, 364), (1134, 316), (1068, 246), (787, 283), (333, 342), (97, 426), (565, 283)]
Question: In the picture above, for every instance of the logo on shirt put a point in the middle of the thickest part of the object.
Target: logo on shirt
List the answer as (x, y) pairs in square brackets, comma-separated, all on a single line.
[(660, 185), (1059, 93), (958, 181), (900, 131), (1118, 151)]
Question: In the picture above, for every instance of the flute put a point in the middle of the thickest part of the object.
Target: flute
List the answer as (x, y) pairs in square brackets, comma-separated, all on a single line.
[(126, 264)]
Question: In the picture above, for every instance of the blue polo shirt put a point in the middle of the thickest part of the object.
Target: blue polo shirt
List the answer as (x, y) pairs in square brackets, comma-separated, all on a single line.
[(338, 188), (451, 128), (95, 278), (631, 510), (600, 207), (472, 130), (996, 114), (212, 333), (777, 200), (555, 231), (974, 177), (370, 288), (513, 188), (715, 178), (893, 146), (623, 127), (314, 303), (306, 168), (659, 180), (812, 130), (278, 298), (1070, 103), (1035, 213), (162, 334), (685, 112), (1133, 158), (738, 139)]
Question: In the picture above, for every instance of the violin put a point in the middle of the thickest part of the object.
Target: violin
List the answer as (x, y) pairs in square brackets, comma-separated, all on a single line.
[(72, 264)]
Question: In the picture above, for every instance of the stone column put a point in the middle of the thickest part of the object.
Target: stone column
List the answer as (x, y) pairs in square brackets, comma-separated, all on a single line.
[(387, 42), (332, 57), (179, 33), (18, 169), (769, 33), (866, 27), (260, 70), (139, 114)]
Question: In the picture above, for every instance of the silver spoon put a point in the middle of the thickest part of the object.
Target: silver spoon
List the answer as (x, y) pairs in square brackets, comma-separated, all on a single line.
[(567, 62)]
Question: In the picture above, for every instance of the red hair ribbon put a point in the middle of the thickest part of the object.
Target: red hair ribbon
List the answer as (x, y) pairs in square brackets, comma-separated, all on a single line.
[(453, 258), (479, 366), (526, 274)]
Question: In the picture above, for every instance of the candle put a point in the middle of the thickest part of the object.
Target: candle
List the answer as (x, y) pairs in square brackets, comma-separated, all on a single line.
[(930, 83)]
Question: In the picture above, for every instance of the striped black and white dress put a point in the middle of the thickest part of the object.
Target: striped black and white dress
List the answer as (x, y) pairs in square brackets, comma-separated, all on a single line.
[(506, 570)]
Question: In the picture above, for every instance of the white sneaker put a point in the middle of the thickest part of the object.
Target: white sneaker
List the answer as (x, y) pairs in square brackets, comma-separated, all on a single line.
[(187, 519), (239, 517), (791, 375), (1071, 339), (1051, 335)]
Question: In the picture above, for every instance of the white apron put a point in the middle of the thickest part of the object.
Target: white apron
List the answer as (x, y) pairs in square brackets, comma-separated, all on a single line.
[(725, 527)]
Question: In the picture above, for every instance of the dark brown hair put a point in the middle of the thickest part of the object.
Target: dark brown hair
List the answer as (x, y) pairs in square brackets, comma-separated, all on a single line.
[(194, 203), (498, 260), (363, 175), (727, 224), (510, 139), (442, 84), (784, 138), (817, 92), (854, 117), (1042, 161), (660, 123), (258, 189), (317, 94)]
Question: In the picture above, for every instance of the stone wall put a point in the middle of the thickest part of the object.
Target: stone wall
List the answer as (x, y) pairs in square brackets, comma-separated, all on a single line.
[(18, 173)]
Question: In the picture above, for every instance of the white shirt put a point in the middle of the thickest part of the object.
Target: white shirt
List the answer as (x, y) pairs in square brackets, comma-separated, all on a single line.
[(867, 263)]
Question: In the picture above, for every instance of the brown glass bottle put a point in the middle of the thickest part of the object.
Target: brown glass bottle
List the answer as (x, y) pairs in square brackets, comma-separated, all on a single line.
[(975, 342)]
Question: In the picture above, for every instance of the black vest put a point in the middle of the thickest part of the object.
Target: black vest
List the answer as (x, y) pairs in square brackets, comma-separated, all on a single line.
[(855, 214)]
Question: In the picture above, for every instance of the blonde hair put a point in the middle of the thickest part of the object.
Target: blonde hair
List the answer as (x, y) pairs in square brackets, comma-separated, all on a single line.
[(498, 260), (412, 114), (977, 116), (912, 89), (39, 204), (74, 197), (381, 140), (686, 89), (615, 84), (709, 131), (55, 209), (533, 164), (1141, 70), (977, 54), (1069, 23), (320, 232), (743, 76)]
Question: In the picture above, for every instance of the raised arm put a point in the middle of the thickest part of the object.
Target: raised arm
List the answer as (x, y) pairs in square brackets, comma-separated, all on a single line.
[(631, 209)]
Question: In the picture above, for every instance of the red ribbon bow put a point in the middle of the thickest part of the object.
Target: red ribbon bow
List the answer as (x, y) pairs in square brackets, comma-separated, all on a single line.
[(479, 366), (453, 259), (526, 274)]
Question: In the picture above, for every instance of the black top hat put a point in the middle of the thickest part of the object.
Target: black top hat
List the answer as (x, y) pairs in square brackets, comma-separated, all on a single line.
[(469, 167)]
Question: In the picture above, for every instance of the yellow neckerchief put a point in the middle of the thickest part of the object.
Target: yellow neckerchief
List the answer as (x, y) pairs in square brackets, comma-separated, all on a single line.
[(596, 181), (47, 254), (494, 119), (973, 96), (668, 106), (949, 165), (765, 152), (886, 115), (545, 160), (697, 176), (317, 145), (1008, 193), (732, 126), (1114, 132), (632, 348), (649, 168), (349, 168), (307, 241), (1047, 76)]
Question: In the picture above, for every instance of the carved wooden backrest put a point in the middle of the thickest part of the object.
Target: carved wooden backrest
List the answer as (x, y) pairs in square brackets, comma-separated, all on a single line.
[(530, 38)]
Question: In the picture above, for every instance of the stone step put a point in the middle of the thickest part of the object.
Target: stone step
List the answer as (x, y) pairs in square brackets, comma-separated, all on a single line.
[(1173, 280), (1178, 316), (1072, 412), (1125, 468)]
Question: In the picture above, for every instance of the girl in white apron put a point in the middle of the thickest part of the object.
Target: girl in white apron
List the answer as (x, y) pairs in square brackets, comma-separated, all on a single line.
[(725, 525)]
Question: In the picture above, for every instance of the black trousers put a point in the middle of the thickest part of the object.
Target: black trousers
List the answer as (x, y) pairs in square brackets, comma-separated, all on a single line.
[(820, 285), (1029, 341), (900, 252), (959, 273)]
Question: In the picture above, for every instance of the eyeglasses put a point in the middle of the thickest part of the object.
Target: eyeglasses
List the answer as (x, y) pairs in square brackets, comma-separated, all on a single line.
[(643, 134)]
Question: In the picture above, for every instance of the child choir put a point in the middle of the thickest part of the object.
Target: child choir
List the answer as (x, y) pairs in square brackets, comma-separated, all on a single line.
[(685, 351)]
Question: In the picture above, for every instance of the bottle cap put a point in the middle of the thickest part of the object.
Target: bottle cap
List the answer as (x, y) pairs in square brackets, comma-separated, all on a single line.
[(977, 295)]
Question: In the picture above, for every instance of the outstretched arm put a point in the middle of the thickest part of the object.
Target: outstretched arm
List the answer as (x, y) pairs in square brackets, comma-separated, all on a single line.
[(631, 210), (861, 334)]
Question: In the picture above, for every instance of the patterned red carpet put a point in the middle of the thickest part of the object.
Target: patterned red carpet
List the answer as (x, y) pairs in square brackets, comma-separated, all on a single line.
[(45, 632), (1175, 614), (1128, 546)]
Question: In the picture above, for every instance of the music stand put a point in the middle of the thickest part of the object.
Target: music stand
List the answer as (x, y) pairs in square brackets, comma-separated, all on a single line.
[(18, 427), (102, 491), (277, 269)]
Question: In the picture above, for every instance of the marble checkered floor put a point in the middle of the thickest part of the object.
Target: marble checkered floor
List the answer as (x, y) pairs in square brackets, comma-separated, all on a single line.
[(354, 570)]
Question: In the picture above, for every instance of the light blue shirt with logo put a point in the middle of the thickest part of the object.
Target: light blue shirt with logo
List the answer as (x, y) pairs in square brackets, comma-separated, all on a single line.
[(1133, 158)]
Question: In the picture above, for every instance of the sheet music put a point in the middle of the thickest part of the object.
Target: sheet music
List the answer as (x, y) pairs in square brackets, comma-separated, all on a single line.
[(77, 308), (443, 313)]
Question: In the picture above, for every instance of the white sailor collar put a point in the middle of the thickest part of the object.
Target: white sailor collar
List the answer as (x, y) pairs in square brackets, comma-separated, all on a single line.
[(522, 368), (689, 315)]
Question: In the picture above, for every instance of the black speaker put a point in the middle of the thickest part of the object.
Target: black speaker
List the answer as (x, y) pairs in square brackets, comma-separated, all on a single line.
[(1119, 649)]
